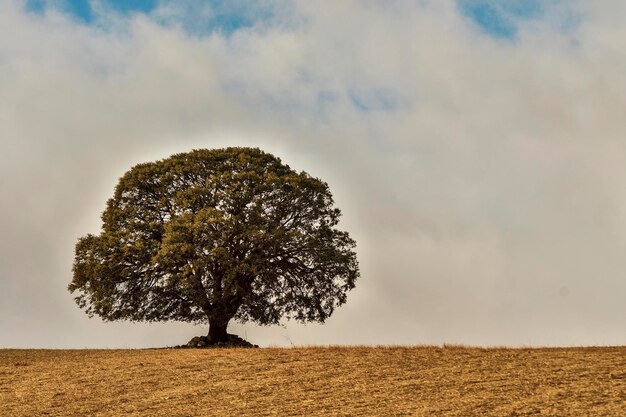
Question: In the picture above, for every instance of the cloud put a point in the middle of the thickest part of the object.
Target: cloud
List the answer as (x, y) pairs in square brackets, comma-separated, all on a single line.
[(483, 180)]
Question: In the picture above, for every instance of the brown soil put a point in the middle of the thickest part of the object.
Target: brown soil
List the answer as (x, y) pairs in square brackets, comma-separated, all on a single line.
[(356, 381)]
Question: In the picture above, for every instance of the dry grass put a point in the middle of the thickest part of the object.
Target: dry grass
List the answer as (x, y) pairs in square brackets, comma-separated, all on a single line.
[(359, 381)]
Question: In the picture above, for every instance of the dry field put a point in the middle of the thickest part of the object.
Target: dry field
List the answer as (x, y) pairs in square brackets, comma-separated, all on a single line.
[(355, 381)]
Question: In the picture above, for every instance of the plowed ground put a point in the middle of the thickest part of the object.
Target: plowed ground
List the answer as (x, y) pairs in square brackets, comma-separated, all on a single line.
[(350, 381)]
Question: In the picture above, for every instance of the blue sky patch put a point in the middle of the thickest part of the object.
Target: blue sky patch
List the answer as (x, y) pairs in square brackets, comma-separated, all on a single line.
[(199, 17), (500, 19), (132, 6), (36, 6), (83, 11), (80, 8), (231, 15)]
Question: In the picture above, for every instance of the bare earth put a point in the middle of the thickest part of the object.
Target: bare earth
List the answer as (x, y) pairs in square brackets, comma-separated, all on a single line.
[(355, 381)]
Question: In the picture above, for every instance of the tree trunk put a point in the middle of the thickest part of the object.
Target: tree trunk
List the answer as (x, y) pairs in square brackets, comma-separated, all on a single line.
[(217, 330)]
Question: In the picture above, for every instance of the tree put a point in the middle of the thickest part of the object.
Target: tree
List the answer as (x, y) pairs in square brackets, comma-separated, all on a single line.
[(215, 235)]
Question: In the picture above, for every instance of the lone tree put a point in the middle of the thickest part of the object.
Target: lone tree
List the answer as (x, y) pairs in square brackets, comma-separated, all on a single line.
[(215, 235)]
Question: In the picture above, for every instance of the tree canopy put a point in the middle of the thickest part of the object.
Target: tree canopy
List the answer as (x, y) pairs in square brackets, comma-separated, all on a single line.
[(215, 235)]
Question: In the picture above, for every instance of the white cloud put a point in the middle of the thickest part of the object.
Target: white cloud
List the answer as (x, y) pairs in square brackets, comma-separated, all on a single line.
[(484, 184)]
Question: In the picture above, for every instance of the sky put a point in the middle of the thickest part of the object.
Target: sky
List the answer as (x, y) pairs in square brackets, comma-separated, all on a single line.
[(476, 149)]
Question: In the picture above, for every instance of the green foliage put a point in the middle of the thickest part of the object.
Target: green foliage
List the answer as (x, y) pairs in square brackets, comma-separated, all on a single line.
[(216, 234)]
